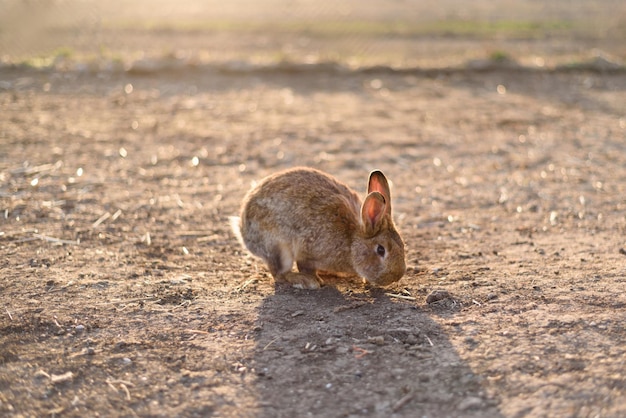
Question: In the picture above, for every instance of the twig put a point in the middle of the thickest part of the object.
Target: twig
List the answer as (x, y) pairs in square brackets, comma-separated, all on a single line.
[(60, 378), (407, 330), (116, 214), (397, 296), (213, 237), (56, 240), (192, 233), (121, 382), (123, 386), (49, 204), (196, 331), (247, 283), (270, 343), (148, 299), (362, 352), (37, 169), (429, 341), (56, 322), (42, 373), (353, 305), (19, 241), (101, 219), (9, 313), (111, 386), (402, 401), (22, 232)]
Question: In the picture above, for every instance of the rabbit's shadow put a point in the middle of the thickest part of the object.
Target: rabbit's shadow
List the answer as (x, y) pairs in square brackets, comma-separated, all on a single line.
[(348, 349)]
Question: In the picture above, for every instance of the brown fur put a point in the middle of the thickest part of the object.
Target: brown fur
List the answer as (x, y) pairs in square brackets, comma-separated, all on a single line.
[(307, 216)]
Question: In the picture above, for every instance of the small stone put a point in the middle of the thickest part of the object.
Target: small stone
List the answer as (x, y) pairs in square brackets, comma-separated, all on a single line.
[(411, 339), (471, 402), (378, 340), (470, 341), (398, 372), (342, 350), (437, 295)]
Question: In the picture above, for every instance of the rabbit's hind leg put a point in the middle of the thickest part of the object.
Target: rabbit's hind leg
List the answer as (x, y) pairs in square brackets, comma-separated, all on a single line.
[(280, 263)]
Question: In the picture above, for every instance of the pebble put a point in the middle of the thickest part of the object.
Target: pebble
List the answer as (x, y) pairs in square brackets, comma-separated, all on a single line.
[(411, 339), (471, 402), (378, 340), (342, 350), (437, 295)]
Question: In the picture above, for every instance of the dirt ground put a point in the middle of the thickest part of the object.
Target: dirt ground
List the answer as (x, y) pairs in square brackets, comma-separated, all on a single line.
[(124, 293)]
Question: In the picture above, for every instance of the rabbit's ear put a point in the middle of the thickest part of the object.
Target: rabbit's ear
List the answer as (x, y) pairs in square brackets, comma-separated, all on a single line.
[(373, 211), (378, 183)]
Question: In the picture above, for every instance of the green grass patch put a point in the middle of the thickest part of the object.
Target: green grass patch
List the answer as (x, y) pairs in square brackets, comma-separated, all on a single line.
[(48, 60), (330, 28), (63, 52), (499, 56)]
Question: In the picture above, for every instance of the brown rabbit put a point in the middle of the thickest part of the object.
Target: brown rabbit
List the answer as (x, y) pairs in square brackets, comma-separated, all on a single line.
[(307, 216)]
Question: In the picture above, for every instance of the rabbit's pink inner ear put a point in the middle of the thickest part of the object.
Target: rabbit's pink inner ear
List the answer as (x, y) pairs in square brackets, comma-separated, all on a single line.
[(378, 183), (373, 210)]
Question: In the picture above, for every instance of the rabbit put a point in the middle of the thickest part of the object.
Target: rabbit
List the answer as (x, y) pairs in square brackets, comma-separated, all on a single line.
[(307, 216)]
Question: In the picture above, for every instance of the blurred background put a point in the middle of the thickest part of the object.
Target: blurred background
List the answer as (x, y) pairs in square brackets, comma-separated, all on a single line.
[(354, 33)]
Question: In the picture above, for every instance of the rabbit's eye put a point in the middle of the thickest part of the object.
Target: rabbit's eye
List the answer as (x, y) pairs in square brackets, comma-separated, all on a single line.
[(380, 250)]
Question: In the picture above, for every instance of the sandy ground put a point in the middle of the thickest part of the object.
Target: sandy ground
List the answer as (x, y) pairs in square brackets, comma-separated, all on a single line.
[(124, 292)]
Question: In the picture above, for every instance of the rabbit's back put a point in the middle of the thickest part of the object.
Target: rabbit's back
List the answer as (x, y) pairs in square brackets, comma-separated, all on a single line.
[(308, 211)]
